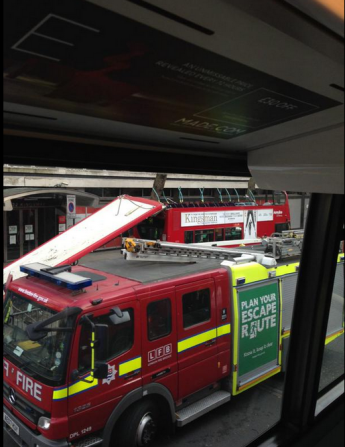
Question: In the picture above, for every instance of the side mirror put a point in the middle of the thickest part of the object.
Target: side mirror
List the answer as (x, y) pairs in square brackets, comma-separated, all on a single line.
[(99, 350), (116, 319), (102, 341), (101, 371)]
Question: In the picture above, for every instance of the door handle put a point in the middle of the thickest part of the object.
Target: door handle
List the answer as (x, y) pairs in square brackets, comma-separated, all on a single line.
[(161, 373), (210, 343), (129, 376)]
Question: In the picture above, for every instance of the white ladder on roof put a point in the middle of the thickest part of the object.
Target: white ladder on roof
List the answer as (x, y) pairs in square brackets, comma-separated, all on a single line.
[(148, 250)]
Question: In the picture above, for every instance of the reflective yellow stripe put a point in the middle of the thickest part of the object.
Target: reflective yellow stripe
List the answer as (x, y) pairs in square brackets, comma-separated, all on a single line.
[(8, 312), (280, 284), (252, 272), (80, 386), (334, 336), (131, 365), (92, 345), (60, 394), (285, 269), (196, 340), (223, 330), (76, 388), (235, 342), (256, 381)]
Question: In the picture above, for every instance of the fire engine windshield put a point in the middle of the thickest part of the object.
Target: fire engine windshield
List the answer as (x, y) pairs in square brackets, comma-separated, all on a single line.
[(44, 358)]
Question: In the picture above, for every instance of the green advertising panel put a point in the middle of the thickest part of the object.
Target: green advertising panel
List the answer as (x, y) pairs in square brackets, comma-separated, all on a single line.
[(258, 327)]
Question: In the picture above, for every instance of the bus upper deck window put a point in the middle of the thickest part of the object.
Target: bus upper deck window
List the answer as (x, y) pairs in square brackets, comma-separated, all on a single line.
[(278, 198)]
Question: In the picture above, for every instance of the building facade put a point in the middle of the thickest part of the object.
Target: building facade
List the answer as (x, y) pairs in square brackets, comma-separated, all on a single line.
[(36, 199)]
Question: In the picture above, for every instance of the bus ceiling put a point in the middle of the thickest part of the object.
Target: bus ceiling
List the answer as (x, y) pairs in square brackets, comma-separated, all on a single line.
[(267, 102)]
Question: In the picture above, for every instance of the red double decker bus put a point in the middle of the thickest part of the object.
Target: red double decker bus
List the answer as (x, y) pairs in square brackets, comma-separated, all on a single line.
[(199, 222)]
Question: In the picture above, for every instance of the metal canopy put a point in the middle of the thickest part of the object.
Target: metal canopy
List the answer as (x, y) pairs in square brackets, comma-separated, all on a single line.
[(83, 198)]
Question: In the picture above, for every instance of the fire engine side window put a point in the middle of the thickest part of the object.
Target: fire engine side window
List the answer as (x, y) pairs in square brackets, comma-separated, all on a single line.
[(158, 319), (188, 237), (196, 307), (121, 338)]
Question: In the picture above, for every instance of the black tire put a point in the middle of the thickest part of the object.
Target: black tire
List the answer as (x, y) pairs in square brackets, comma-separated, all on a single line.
[(139, 425)]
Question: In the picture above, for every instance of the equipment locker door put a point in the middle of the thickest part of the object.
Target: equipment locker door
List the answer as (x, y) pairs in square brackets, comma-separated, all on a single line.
[(197, 336), (124, 369), (159, 338), (257, 333)]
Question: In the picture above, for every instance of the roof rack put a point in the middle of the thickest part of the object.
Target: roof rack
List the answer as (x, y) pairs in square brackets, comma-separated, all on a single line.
[(60, 276), (285, 244), (148, 250)]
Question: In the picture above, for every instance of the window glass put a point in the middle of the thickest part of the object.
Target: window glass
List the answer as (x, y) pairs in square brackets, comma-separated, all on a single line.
[(218, 232), (188, 237), (279, 198), (158, 319), (196, 307), (13, 234), (121, 337), (204, 236), (44, 358), (233, 233), (151, 228), (333, 356), (281, 227)]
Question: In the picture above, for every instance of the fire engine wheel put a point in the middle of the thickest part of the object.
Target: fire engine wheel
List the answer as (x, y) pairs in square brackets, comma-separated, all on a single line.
[(140, 425)]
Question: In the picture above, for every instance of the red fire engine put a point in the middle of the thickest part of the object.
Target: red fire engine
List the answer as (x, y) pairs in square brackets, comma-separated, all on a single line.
[(105, 354)]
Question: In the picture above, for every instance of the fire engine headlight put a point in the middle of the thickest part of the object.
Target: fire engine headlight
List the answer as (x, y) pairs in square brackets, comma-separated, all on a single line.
[(44, 423)]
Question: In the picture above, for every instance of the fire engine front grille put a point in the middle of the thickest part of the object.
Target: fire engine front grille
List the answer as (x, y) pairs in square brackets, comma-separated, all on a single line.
[(26, 408)]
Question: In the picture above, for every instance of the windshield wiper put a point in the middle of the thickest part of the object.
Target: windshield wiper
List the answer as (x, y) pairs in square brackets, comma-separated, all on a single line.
[(8, 353), (26, 364)]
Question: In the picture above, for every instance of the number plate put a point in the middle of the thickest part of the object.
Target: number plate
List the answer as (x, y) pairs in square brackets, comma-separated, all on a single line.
[(9, 422)]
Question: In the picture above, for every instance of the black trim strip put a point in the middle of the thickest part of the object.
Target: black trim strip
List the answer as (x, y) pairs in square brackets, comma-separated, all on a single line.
[(32, 116), (336, 86), (137, 158), (172, 16), (199, 141)]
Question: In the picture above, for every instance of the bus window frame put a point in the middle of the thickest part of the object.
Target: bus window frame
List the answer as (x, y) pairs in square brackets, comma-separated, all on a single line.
[(296, 427)]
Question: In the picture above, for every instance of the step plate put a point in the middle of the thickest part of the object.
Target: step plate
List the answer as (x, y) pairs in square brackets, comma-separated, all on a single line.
[(201, 407), (89, 442)]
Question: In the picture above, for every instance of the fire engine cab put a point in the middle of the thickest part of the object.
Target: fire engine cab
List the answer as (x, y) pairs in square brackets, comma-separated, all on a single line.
[(107, 353)]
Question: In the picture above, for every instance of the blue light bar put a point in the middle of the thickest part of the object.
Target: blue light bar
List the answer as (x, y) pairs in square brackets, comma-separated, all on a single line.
[(66, 279)]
